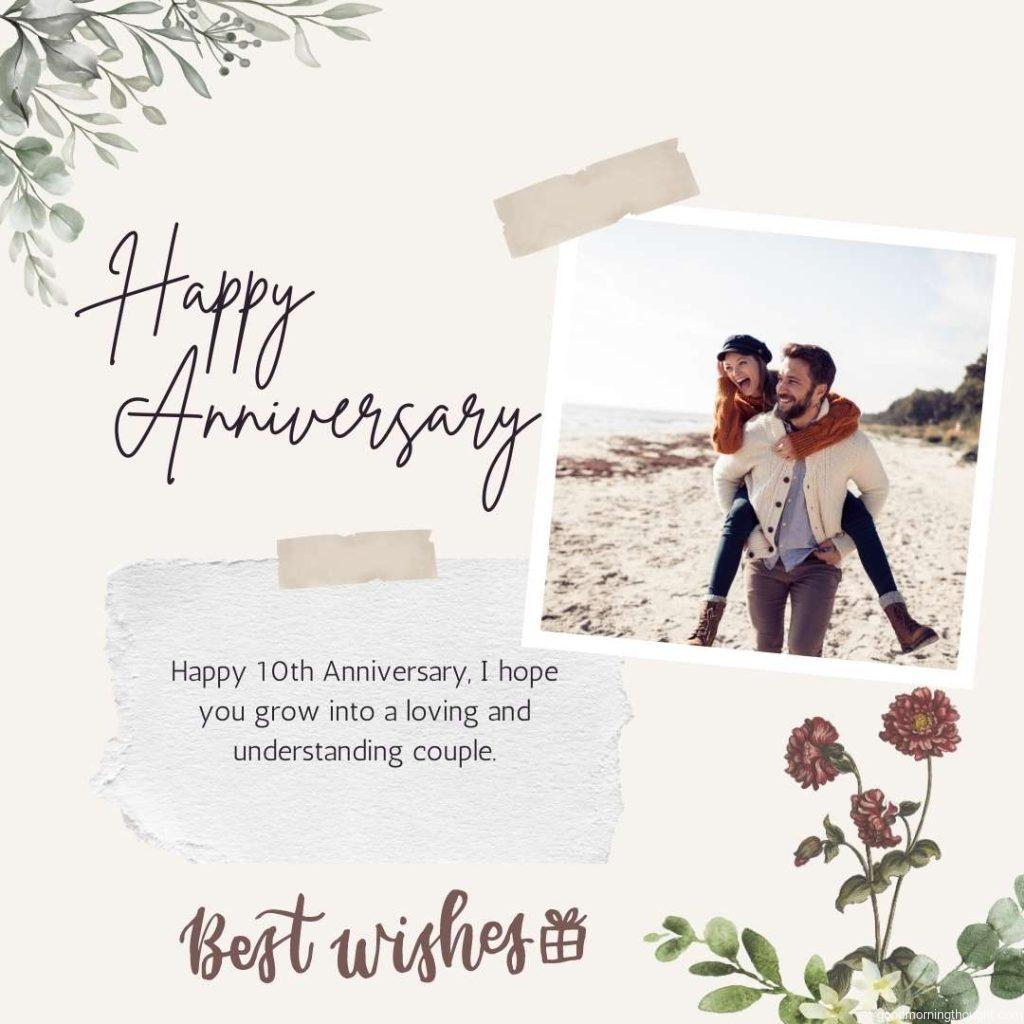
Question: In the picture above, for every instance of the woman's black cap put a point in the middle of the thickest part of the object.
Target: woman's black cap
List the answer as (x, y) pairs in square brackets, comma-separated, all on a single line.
[(746, 345)]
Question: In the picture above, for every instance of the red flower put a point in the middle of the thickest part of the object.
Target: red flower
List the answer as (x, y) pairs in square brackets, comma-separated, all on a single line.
[(921, 724), (805, 760), (874, 818)]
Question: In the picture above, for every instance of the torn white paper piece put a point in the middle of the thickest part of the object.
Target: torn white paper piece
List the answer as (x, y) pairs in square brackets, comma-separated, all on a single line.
[(384, 721)]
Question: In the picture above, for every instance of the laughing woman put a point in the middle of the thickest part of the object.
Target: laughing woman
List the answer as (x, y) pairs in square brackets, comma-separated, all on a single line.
[(746, 388)]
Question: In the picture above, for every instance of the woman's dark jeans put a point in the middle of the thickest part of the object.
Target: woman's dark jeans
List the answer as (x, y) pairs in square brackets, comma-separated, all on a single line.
[(857, 522)]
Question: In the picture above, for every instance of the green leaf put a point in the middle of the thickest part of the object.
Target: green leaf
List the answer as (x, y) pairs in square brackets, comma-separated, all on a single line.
[(137, 7), (101, 32), (654, 937), (681, 927), (789, 1010), (833, 832), (30, 277), (959, 990), (831, 851), (154, 115), (99, 118), (931, 1007), (762, 954), (37, 212), (899, 959), (118, 100), (1018, 888), (67, 151), (815, 975), (267, 32), (70, 61), (41, 243), (19, 74), (21, 214), (894, 864), (856, 889), (179, 32), (192, 77), (346, 32), (17, 246), (721, 937), (730, 999), (12, 122), (1007, 920), (908, 808), (31, 150), (712, 968), (856, 958), (140, 83), (51, 174), (105, 155), (8, 172), (878, 883), (65, 222), (302, 50), (47, 120), (57, 292), (923, 851), (670, 950), (53, 17), (1008, 974), (350, 11), (71, 91), (154, 69), (922, 972), (115, 140)]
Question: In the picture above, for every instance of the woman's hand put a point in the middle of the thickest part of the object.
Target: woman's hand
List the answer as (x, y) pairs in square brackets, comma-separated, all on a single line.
[(785, 449)]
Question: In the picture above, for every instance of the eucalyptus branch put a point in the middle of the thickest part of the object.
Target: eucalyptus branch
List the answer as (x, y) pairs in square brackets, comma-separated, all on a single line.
[(75, 42)]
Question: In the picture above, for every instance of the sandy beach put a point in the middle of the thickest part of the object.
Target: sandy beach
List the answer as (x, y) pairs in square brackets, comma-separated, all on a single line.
[(635, 523)]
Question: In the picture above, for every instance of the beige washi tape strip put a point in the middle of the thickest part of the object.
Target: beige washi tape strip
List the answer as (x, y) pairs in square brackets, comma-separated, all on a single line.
[(570, 205), (356, 558)]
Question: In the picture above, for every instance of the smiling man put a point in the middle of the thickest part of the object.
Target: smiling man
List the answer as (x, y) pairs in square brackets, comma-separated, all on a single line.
[(793, 555)]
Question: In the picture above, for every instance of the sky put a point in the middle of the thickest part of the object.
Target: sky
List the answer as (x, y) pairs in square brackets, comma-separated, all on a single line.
[(653, 302)]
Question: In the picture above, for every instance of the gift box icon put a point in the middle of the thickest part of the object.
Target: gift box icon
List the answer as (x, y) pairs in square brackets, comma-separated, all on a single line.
[(563, 937)]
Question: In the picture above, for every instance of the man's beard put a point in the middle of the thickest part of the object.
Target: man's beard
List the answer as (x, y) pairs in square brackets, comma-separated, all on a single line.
[(795, 411)]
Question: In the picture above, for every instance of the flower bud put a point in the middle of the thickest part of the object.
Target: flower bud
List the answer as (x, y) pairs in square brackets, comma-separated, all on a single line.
[(810, 848)]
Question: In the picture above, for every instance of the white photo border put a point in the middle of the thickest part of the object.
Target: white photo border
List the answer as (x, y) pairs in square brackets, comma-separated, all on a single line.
[(962, 676)]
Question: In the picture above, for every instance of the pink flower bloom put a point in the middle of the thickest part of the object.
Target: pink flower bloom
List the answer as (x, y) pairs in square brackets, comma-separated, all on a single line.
[(921, 724), (874, 818), (805, 760)]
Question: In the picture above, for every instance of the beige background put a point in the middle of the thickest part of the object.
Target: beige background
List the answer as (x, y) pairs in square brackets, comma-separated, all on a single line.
[(372, 180)]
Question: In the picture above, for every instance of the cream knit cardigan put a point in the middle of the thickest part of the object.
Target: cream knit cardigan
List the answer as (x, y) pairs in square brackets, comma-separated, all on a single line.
[(828, 473)]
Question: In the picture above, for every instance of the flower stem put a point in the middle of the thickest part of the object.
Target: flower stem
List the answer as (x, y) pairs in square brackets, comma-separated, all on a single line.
[(910, 844), (869, 869)]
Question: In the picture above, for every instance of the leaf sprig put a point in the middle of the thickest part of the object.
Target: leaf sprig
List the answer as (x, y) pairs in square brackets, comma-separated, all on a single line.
[(60, 53)]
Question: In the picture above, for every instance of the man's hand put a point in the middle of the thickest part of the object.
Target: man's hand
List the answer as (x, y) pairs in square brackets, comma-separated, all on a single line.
[(785, 448), (828, 553)]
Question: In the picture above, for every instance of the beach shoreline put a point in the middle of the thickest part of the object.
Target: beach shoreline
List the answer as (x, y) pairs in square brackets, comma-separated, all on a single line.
[(635, 523)]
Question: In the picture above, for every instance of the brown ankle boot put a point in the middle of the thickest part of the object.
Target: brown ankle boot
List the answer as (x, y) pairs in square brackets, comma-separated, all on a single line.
[(911, 635), (707, 625)]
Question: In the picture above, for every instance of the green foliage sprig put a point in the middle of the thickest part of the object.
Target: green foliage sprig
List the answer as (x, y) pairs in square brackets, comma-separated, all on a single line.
[(62, 72)]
